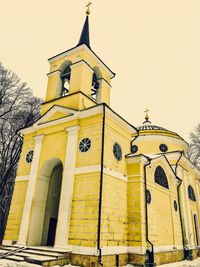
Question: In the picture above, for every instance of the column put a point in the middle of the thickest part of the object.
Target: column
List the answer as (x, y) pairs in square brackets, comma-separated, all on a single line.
[(183, 201), (198, 205), (64, 214), (189, 214), (24, 228)]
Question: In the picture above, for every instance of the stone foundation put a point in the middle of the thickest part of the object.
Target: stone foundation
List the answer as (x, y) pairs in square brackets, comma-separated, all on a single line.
[(136, 259), (93, 261), (119, 260), (168, 257)]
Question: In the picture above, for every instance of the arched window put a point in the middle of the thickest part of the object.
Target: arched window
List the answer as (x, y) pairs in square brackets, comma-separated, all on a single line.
[(191, 193), (160, 177), (95, 86), (65, 78)]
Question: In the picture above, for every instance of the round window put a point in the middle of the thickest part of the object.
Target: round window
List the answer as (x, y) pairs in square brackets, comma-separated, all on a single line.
[(163, 148), (117, 151), (85, 145), (175, 205), (148, 196), (134, 149), (29, 156)]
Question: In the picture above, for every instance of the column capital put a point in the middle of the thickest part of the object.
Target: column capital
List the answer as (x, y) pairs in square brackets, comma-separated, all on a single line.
[(38, 138), (73, 129)]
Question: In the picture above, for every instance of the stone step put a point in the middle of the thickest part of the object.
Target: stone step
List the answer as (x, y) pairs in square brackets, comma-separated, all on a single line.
[(14, 258), (49, 249), (43, 253), (35, 252), (36, 255), (9, 252)]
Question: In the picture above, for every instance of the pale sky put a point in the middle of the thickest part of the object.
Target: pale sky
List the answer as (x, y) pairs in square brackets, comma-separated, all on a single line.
[(153, 46)]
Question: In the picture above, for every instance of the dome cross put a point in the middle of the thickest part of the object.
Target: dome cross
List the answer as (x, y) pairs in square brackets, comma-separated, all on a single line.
[(147, 114)]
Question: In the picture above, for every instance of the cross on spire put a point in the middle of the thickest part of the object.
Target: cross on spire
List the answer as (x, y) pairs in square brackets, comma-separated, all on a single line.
[(88, 8), (85, 34)]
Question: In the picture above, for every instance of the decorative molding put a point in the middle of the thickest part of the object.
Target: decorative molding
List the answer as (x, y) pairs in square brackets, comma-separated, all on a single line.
[(190, 165), (52, 111), (136, 159), (76, 50), (88, 169), (169, 248), (162, 139), (73, 130), (82, 62), (77, 115), (115, 174), (22, 178), (119, 250), (90, 112), (116, 117), (97, 168), (38, 139), (53, 73)]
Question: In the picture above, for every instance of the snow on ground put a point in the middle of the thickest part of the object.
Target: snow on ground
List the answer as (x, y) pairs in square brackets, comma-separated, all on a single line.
[(194, 263), (8, 263)]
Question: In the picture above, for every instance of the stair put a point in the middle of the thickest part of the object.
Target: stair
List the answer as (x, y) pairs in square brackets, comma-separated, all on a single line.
[(38, 255)]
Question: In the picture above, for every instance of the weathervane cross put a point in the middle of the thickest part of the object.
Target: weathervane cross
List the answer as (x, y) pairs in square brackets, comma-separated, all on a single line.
[(88, 8)]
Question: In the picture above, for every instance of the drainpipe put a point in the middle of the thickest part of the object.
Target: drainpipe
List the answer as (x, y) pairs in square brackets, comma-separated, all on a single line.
[(150, 264), (101, 191), (138, 134), (179, 206)]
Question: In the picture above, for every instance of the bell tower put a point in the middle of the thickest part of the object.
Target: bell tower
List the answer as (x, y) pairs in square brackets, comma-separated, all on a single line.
[(78, 78)]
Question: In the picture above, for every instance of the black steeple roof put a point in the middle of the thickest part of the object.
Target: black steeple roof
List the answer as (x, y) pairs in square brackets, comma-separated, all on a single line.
[(85, 35)]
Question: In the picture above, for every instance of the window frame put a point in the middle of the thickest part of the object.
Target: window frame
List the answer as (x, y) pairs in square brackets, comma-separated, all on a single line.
[(160, 177), (191, 193)]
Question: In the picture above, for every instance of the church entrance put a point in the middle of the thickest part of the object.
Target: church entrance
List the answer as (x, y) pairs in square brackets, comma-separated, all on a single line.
[(52, 206), (46, 205)]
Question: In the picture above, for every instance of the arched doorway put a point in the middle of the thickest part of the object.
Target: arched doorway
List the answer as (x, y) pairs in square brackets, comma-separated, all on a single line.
[(46, 204)]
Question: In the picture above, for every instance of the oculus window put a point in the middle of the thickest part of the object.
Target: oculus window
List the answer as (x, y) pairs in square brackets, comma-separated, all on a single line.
[(117, 151), (29, 156), (134, 149), (85, 145), (163, 148)]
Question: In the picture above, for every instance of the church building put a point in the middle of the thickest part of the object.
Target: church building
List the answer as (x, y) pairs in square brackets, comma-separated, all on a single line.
[(94, 187)]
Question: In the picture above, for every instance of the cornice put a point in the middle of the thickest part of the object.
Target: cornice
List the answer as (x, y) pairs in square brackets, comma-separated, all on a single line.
[(76, 50)]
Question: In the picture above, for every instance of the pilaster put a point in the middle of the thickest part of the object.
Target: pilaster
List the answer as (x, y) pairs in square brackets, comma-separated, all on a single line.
[(81, 78), (24, 228), (62, 231)]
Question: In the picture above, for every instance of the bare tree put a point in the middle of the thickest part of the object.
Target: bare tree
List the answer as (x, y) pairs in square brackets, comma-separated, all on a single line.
[(18, 109), (194, 147)]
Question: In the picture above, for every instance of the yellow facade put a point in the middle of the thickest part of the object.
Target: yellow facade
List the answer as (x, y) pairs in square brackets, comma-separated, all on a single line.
[(101, 206)]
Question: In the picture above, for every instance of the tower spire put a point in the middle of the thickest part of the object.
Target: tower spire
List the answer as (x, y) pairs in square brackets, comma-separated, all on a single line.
[(85, 34)]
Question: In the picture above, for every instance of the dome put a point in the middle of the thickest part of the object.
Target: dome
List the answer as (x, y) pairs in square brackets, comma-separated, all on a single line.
[(153, 140), (148, 129)]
